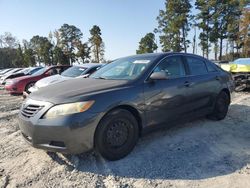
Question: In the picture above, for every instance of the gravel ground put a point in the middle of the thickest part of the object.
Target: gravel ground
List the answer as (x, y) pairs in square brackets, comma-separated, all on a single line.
[(202, 153)]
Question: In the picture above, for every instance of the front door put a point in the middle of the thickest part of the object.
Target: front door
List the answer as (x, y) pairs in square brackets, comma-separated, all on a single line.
[(165, 100)]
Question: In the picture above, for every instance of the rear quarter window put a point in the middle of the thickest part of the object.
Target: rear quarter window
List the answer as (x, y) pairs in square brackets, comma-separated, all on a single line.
[(196, 66)]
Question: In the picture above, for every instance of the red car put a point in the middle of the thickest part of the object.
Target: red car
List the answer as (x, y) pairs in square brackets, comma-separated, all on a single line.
[(21, 84)]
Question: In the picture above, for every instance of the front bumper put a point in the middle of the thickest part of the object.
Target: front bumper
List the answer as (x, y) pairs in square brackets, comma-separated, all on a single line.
[(67, 134)]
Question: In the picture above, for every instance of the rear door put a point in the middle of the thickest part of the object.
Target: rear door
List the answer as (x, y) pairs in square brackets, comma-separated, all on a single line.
[(166, 99), (204, 84)]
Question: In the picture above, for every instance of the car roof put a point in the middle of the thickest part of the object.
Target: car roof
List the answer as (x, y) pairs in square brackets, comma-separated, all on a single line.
[(162, 54), (89, 65)]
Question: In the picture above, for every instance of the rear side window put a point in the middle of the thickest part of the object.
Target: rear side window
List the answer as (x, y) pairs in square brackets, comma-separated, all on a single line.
[(210, 67), (196, 66), (173, 66)]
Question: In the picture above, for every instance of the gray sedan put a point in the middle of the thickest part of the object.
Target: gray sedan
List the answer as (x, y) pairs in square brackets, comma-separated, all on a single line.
[(110, 110)]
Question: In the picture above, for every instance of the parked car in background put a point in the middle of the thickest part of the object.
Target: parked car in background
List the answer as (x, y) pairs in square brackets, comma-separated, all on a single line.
[(83, 70), (5, 71), (219, 63), (110, 109), (9, 73), (21, 84), (240, 70), (13, 70), (22, 72)]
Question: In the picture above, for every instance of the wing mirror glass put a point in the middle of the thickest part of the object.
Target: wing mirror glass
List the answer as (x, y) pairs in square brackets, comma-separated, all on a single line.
[(159, 76)]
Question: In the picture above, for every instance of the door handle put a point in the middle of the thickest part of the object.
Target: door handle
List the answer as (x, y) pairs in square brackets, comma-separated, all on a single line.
[(217, 78), (187, 83)]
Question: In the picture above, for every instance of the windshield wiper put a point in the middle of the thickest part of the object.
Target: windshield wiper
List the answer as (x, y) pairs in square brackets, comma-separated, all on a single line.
[(100, 77)]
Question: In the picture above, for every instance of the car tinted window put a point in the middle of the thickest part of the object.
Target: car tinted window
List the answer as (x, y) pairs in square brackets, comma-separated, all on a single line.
[(173, 66), (91, 71), (210, 67), (196, 66)]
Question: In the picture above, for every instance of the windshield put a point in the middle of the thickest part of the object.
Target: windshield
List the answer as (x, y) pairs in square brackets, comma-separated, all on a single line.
[(41, 71), (242, 61), (73, 71), (123, 69), (23, 70), (33, 70)]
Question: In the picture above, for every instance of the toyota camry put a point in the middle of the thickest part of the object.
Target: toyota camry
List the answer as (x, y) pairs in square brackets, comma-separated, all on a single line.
[(112, 108)]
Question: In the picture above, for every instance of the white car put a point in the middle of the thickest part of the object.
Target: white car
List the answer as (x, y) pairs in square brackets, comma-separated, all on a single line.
[(6, 75), (83, 70)]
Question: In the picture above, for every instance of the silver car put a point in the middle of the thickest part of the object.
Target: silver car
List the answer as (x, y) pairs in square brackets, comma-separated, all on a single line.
[(83, 70)]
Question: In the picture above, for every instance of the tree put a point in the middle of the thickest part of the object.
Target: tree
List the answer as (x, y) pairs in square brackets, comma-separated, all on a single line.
[(70, 35), (28, 55), (147, 44), (244, 32), (97, 44), (7, 40), (19, 60), (203, 22), (173, 25), (83, 51), (59, 57), (42, 48)]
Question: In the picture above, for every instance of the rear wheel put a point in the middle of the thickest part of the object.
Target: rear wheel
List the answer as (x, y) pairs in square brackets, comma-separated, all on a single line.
[(116, 135), (29, 85), (221, 107)]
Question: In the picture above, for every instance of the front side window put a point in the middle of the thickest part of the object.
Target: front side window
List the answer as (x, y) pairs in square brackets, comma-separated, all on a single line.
[(196, 66), (172, 66)]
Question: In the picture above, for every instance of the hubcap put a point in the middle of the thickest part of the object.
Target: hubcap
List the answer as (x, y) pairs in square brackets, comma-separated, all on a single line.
[(117, 134)]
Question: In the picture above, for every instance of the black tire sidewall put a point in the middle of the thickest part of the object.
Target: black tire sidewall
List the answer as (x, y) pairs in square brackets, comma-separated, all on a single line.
[(101, 130), (217, 113), (27, 86)]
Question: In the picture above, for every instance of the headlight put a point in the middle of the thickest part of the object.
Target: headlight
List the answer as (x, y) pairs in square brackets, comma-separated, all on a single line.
[(70, 108), (12, 81)]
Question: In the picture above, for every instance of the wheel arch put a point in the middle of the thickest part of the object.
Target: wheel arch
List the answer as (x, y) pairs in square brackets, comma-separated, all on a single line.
[(129, 108)]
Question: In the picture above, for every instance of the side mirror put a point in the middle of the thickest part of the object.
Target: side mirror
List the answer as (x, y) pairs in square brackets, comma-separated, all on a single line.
[(159, 76)]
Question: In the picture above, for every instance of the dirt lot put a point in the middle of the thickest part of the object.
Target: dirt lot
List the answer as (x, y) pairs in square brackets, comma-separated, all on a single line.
[(198, 154)]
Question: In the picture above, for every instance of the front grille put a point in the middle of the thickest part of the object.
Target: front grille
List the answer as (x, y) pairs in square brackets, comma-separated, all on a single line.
[(31, 110)]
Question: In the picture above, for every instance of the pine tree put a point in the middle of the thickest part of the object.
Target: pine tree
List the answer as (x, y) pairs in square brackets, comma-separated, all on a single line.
[(147, 44), (97, 44), (173, 25)]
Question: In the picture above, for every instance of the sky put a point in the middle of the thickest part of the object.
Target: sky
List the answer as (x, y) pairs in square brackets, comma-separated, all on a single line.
[(123, 23)]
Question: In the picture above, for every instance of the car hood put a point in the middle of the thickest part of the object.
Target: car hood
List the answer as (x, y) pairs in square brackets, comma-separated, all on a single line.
[(73, 89), (51, 80), (24, 77)]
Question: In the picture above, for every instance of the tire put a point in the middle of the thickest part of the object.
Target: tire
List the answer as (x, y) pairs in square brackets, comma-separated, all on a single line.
[(29, 85), (116, 135), (221, 107)]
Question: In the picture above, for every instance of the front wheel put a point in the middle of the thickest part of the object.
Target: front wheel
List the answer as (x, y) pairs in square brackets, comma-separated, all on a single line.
[(29, 85), (221, 107), (116, 135)]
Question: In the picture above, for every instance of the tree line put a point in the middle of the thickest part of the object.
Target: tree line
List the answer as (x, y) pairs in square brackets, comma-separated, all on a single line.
[(222, 25), (63, 46)]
